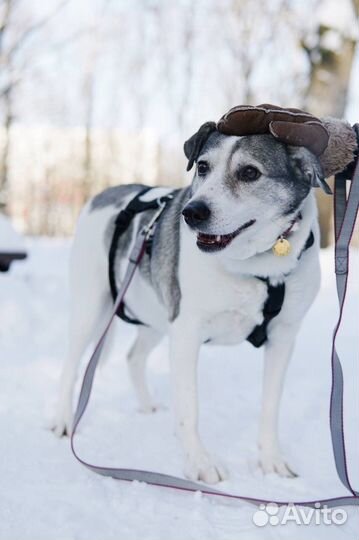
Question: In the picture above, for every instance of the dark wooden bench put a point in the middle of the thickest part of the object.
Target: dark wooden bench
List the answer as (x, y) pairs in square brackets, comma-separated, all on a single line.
[(7, 257)]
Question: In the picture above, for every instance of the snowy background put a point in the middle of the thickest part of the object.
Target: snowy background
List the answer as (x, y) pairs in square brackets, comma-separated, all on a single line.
[(47, 495)]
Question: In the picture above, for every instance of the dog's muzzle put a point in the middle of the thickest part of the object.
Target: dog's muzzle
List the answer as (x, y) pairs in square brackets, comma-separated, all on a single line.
[(195, 214), (216, 242)]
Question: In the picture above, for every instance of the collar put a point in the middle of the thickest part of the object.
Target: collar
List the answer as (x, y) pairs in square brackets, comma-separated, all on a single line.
[(292, 226), (282, 247)]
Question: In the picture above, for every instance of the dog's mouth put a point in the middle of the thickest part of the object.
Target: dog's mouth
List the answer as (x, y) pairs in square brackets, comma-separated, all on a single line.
[(216, 242)]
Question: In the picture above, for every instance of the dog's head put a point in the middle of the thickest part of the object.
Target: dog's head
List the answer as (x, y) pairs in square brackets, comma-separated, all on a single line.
[(246, 190)]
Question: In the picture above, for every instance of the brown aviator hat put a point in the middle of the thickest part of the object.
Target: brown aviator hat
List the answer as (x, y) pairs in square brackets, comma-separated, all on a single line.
[(332, 140)]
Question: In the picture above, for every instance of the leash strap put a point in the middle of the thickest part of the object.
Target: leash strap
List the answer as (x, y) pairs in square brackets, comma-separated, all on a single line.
[(345, 213)]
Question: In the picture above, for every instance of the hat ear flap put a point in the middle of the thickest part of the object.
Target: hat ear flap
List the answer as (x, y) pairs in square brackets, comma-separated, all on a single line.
[(193, 146)]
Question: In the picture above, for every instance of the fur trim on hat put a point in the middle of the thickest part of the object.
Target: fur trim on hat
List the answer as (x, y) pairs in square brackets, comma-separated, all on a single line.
[(341, 146)]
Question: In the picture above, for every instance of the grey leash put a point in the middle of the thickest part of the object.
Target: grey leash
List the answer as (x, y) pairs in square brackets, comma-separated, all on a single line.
[(345, 213), (346, 210)]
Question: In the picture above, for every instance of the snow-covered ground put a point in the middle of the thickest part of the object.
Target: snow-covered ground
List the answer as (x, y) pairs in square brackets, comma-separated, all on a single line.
[(47, 495)]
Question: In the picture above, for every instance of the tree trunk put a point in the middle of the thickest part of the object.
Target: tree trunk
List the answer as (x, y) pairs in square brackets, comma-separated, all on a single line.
[(87, 179), (4, 160), (327, 96)]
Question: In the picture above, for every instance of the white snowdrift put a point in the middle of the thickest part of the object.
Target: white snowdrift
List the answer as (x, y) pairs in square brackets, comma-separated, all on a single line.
[(46, 495), (10, 240)]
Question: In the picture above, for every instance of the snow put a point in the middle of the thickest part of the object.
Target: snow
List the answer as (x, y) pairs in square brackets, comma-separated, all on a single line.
[(10, 240), (47, 495)]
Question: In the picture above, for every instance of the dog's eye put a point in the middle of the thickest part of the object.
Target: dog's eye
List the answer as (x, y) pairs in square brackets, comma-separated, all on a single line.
[(202, 168), (249, 173)]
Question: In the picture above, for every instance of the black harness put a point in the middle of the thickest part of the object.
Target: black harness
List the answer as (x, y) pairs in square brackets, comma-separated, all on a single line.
[(275, 293), (273, 304), (122, 223)]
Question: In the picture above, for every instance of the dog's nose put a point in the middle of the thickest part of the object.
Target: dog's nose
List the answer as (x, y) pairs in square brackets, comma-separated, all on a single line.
[(195, 213)]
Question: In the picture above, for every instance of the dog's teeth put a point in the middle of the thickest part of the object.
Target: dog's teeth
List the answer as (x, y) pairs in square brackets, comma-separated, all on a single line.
[(218, 238)]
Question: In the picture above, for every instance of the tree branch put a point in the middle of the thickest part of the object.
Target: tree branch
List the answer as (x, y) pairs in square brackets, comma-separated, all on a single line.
[(356, 7), (7, 6), (33, 29)]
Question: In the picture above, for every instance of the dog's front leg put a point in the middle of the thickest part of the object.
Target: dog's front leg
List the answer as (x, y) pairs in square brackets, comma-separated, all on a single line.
[(184, 350), (276, 357)]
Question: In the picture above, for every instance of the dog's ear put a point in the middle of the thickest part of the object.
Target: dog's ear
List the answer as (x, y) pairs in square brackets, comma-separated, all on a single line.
[(194, 145), (304, 163)]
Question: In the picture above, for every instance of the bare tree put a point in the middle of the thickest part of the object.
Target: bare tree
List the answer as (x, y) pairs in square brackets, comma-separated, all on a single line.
[(12, 41), (88, 97), (188, 48), (331, 56), (246, 37)]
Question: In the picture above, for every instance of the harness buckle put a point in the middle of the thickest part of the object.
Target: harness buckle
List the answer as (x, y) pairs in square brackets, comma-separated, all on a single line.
[(148, 230), (341, 260)]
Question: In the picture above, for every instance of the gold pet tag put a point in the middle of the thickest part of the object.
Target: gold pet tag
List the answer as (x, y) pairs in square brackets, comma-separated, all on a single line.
[(282, 247)]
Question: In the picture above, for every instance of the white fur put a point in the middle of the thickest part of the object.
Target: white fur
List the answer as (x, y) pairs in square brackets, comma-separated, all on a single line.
[(220, 300)]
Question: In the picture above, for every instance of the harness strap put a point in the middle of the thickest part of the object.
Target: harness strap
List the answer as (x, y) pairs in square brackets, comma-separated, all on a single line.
[(345, 219), (122, 223), (273, 303), (271, 308)]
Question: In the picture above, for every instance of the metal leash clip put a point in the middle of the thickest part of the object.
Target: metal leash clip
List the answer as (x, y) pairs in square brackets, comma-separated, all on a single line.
[(148, 229), (145, 236)]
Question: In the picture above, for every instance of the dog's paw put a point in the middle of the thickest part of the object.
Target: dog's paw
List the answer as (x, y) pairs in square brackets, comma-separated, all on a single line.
[(205, 468), (62, 425), (151, 408), (60, 430), (274, 463)]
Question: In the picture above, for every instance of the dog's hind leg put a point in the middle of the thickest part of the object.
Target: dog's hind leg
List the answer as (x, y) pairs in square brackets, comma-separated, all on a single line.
[(90, 303), (145, 342), (86, 325)]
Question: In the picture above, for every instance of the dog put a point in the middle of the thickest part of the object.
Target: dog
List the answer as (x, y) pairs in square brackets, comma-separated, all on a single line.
[(205, 279)]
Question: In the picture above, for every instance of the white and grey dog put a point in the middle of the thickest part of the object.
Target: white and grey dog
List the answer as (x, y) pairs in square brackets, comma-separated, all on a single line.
[(200, 284)]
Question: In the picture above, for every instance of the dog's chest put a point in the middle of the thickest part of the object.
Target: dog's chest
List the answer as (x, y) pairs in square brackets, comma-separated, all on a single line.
[(233, 309), (228, 306)]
